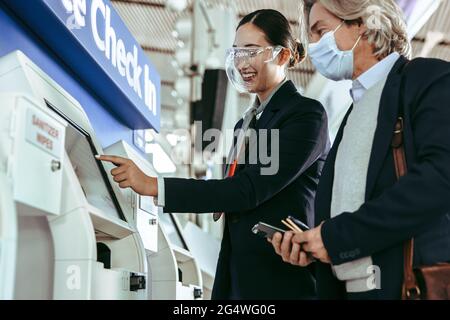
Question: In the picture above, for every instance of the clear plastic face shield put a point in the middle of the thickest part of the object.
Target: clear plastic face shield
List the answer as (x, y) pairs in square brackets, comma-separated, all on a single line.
[(245, 67)]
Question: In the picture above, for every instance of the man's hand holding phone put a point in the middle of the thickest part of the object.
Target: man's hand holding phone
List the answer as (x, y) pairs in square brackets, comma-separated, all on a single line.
[(291, 252), (266, 230), (311, 242), (284, 244)]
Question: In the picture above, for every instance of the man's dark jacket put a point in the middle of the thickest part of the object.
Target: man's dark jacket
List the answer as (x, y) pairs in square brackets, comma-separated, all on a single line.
[(417, 206)]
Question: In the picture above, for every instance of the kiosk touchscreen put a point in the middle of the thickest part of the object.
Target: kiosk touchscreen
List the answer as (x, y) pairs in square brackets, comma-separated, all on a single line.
[(90, 172), (172, 230)]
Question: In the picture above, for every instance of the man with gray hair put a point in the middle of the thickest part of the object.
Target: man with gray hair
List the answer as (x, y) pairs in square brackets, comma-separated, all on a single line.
[(364, 216)]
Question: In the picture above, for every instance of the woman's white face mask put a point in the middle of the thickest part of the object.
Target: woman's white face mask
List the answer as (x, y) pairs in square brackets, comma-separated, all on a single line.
[(329, 60)]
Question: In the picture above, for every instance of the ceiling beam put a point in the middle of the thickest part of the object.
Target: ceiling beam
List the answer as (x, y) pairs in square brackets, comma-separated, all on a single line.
[(441, 43), (141, 2), (158, 50)]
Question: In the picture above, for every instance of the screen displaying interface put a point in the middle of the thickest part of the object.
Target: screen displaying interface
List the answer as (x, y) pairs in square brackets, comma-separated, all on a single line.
[(90, 172), (146, 204), (171, 229)]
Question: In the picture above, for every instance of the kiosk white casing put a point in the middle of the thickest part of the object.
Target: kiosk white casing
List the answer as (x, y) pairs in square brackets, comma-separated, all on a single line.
[(174, 272), (58, 228)]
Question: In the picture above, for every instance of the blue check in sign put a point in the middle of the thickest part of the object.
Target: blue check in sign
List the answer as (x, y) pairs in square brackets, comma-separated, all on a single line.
[(93, 22), (93, 40)]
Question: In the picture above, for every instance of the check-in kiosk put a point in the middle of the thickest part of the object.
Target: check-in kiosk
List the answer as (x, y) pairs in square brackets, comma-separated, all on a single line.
[(75, 236), (173, 271), (8, 229), (205, 249)]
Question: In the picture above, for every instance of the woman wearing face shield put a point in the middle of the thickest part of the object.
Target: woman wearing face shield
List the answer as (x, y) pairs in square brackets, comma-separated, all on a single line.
[(248, 268)]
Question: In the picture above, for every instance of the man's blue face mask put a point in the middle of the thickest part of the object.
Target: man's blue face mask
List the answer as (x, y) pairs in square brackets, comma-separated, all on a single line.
[(329, 60)]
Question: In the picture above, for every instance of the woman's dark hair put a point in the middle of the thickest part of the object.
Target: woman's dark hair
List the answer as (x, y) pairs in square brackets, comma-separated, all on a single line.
[(278, 32)]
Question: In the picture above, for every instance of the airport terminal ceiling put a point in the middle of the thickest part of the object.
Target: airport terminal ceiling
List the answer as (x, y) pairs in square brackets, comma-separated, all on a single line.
[(152, 23)]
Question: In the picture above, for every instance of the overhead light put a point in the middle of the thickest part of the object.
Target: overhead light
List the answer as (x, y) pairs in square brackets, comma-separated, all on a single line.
[(161, 160), (183, 56), (177, 5), (183, 87), (172, 138), (183, 27), (176, 66), (175, 34), (213, 62), (180, 44), (181, 119), (174, 93), (149, 135), (180, 101)]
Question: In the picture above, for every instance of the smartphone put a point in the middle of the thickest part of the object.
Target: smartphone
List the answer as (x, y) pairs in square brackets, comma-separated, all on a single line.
[(299, 224), (266, 230)]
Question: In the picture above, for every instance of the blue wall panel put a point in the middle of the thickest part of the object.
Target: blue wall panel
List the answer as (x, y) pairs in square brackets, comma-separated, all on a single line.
[(101, 51), (15, 36)]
